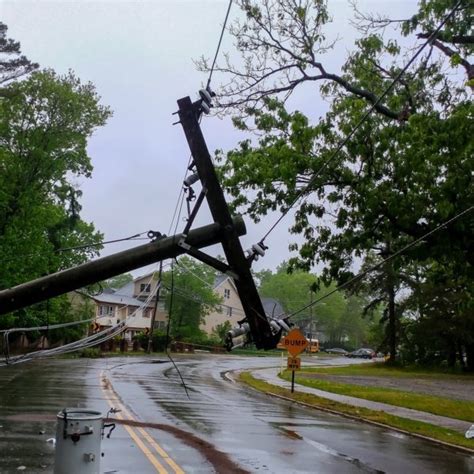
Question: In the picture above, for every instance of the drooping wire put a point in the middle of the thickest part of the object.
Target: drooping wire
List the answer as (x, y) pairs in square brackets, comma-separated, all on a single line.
[(361, 275), (361, 121), (107, 242), (88, 341), (190, 297), (218, 45), (179, 201), (170, 312)]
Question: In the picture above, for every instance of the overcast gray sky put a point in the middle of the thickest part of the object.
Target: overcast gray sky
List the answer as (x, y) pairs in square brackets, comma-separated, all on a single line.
[(139, 55)]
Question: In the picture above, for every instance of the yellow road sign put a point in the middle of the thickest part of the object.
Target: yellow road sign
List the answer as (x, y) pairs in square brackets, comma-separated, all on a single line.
[(295, 342), (294, 363)]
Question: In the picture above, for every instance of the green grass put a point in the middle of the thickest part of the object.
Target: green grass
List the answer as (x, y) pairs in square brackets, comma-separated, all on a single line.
[(459, 409), (411, 426)]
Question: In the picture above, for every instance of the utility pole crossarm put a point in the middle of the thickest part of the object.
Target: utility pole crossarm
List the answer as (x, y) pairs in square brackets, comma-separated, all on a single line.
[(239, 266)]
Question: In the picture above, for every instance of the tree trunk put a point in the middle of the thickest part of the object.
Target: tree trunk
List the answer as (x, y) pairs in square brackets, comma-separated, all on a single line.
[(460, 353), (470, 357), (392, 317), (452, 355), (392, 324)]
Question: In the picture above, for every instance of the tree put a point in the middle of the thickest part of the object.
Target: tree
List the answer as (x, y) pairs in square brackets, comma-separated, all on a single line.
[(189, 297), (221, 330), (297, 289), (13, 65), (406, 170), (44, 126), (118, 281)]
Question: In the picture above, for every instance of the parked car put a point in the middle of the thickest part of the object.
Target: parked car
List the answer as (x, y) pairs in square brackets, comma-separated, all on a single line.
[(336, 350), (362, 353)]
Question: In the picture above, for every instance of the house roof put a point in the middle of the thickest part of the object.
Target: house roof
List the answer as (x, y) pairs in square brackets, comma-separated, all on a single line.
[(118, 299), (222, 278), (126, 290)]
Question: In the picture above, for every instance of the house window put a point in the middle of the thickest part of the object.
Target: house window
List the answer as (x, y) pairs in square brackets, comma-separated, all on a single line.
[(146, 313), (105, 310), (145, 288), (131, 311), (229, 311), (226, 293), (160, 324)]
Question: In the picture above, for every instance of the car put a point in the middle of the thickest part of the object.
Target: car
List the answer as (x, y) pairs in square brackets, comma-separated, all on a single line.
[(362, 353), (336, 350)]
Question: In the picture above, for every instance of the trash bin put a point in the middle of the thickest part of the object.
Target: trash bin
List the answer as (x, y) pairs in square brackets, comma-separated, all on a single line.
[(78, 440)]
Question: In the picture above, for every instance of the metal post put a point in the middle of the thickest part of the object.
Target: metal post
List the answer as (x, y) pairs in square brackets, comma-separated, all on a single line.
[(155, 308), (292, 381), (91, 272)]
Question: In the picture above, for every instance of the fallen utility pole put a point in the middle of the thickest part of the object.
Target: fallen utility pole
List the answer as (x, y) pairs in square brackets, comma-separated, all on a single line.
[(88, 273), (239, 265)]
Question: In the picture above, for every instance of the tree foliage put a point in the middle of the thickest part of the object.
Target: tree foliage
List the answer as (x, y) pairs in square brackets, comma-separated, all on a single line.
[(46, 120), (340, 319), (13, 64), (189, 297), (407, 168)]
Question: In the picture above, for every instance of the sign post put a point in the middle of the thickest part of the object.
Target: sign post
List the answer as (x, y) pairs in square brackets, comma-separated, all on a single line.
[(295, 343)]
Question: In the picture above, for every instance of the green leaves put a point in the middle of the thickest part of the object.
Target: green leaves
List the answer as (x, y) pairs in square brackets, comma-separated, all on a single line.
[(44, 127), (192, 299)]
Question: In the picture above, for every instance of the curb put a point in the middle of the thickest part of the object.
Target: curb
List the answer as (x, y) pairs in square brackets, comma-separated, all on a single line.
[(354, 417)]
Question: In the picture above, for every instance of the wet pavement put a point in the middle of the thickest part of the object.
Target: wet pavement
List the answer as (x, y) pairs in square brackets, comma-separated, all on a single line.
[(221, 427)]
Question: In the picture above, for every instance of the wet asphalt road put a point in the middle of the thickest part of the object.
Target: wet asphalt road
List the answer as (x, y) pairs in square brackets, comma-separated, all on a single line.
[(221, 427)]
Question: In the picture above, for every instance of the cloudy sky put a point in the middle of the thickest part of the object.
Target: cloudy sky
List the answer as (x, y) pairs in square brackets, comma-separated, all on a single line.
[(139, 54)]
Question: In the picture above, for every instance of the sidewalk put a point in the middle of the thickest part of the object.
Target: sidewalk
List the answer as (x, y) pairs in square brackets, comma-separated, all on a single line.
[(271, 376)]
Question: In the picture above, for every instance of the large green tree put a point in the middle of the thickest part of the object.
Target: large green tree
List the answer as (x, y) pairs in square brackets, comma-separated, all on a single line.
[(45, 123), (406, 169)]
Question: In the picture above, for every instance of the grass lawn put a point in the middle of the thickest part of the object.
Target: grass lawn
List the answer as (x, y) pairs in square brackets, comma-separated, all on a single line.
[(416, 427), (459, 409)]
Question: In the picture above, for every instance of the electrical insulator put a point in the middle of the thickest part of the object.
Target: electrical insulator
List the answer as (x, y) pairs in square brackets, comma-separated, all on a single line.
[(206, 99), (191, 179), (205, 96), (237, 337)]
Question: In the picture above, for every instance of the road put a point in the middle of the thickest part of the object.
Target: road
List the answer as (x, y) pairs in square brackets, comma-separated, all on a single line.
[(216, 426)]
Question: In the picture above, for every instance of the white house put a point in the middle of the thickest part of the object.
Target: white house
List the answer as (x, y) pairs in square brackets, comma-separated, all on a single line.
[(231, 308), (131, 302)]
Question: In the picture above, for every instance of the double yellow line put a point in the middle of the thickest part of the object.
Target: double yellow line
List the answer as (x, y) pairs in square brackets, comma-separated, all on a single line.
[(139, 435)]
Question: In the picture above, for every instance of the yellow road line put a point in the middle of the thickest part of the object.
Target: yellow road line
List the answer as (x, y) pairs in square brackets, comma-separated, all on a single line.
[(115, 401), (151, 457), (161, 452)]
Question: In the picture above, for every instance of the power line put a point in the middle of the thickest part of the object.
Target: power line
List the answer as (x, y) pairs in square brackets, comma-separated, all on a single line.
[(362, 120), (107, 242), (359, 276), (218, 45)]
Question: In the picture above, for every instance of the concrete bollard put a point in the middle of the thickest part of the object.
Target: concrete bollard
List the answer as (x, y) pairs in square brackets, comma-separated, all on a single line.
[(78, 440)]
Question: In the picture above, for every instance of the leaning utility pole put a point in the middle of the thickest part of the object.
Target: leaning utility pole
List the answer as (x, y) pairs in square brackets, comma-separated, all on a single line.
[(225, 230), (238, 265)]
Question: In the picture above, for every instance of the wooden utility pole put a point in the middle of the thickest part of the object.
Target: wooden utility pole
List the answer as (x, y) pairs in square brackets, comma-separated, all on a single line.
[(88, 273), (238, 264)]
